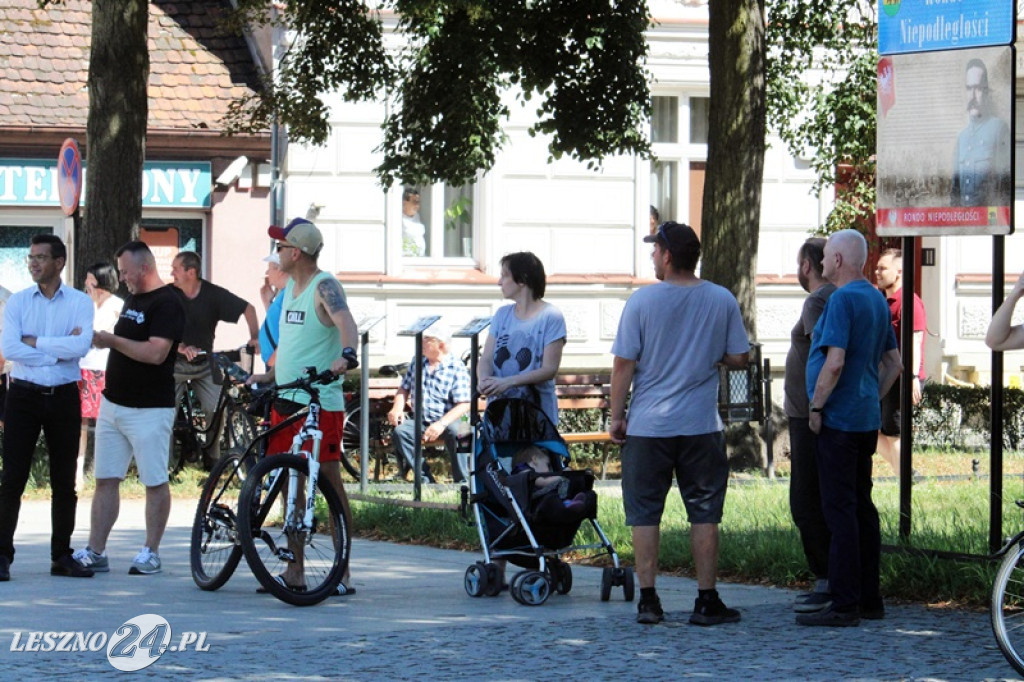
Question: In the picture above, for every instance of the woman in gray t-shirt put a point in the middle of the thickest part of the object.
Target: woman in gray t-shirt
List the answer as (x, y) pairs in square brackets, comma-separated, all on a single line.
[(524, 348)]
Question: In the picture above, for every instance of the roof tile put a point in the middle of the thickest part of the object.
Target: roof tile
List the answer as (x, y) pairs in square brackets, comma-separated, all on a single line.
[(195, 70)]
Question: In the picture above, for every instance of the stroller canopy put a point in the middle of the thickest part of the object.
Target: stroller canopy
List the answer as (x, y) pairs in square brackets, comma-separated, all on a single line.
[(511, 420)]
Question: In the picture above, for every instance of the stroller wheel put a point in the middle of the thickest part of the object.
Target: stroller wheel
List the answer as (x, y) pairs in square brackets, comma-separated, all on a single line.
[(476, 580), (627, 583), (530, 588), (513, 587), (607, 578), (494, 580), (561, 576)]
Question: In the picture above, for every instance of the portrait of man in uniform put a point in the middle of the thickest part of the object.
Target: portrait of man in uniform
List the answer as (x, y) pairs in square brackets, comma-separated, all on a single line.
[(981, 157)]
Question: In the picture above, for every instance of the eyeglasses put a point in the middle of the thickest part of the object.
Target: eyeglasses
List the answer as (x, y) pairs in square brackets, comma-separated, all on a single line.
[(37, 258), (278, 246)]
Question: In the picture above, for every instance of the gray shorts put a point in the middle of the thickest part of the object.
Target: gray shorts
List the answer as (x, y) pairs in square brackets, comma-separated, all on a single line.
[(700, 467)]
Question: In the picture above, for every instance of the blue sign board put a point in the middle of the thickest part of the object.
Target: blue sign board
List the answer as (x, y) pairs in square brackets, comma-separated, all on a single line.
[(165, 184), (927, 25)]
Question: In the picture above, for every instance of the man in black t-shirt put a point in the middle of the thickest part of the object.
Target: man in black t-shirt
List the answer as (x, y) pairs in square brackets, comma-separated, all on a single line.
[(137, 411), (206, 304)]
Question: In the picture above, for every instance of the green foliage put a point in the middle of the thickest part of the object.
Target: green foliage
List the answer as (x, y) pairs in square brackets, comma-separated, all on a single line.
[(338, 46), (582, 59), (956, 417), (821, 96)]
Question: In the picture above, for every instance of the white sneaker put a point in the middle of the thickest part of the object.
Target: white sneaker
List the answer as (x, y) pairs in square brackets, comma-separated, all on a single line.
[(145, 563), (90, 559)]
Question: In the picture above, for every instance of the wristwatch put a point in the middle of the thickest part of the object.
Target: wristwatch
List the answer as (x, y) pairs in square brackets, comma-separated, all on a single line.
[(817, 409)]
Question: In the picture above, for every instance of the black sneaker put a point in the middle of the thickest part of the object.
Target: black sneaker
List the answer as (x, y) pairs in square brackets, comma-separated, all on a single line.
[(649, 612), (712, 611), (5, 569), (830, 618), (67, 567)]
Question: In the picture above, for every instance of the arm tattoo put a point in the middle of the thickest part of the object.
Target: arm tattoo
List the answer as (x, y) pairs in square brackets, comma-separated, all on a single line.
[(332, 295)]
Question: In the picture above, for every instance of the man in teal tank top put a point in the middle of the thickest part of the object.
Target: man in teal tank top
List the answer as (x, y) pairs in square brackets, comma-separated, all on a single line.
[(316, 329)]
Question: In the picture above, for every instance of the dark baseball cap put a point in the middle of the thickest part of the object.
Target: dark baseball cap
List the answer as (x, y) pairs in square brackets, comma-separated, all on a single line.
[(676, 237)]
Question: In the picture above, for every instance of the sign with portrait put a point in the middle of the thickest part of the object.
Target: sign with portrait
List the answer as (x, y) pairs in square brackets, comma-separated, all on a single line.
[(945, 143)]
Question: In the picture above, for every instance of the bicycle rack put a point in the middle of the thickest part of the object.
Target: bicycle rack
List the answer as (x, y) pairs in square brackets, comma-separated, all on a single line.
[(472, 331), (365, 325), (416, 329)]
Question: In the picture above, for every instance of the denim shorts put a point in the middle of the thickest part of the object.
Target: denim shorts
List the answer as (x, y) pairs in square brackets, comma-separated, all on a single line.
[(699, 465)]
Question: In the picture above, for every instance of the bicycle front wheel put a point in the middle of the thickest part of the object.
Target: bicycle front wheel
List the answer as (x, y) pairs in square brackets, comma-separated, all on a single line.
[(215, 551), (298, 564), (1007, 609)]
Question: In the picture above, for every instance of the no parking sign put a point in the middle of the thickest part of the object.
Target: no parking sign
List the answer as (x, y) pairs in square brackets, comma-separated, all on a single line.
[(69, 176)]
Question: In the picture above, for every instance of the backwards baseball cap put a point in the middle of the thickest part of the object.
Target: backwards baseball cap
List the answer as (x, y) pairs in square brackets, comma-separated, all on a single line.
[(676, 237), (301, 234)]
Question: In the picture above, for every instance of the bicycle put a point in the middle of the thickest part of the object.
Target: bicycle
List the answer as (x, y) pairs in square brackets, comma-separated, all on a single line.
[(1007, 606), (192, 431), (236, 513), (380, 430)]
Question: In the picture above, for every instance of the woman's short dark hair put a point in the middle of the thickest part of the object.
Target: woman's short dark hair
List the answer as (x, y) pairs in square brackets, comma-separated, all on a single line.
[(105, 274), (525, 268)]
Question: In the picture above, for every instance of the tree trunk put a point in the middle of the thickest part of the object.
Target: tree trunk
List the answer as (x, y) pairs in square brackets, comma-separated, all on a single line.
[(732, 190), (735, 170), (116, 130)]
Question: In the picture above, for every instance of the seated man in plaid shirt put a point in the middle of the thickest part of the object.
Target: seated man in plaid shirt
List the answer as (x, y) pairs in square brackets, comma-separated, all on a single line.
[(446, 399)]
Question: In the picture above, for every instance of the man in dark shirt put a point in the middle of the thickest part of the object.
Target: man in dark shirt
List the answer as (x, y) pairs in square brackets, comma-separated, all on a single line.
[(804, 492), (206, 304), (137, 410)]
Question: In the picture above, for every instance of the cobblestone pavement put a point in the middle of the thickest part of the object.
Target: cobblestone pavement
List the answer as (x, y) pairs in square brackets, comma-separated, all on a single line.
[(411, 619)]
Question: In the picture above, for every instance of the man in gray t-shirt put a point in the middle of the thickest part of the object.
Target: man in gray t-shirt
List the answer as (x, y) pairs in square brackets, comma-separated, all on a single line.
[(804, 492), (671, 339)]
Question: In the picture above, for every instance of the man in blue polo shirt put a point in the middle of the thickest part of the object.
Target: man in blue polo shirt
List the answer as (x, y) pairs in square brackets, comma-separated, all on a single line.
[(852, 363)]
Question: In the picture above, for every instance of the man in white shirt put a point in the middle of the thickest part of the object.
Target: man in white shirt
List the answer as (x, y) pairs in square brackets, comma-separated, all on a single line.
[(47, 329)]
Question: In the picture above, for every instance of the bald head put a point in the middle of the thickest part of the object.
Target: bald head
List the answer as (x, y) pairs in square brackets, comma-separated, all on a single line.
[(846, 252)]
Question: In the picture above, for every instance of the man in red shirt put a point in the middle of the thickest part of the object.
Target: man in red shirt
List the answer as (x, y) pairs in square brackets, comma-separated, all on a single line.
[(889, 278)]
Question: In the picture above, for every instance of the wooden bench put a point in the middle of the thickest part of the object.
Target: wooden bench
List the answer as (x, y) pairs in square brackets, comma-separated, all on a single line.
[(586, 392)]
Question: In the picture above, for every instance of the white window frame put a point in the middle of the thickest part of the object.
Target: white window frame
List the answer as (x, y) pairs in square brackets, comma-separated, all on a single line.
[(683, 152), (433, 197)]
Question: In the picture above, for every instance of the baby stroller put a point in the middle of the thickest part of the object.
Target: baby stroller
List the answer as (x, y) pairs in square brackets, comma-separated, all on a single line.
[(517, 526)]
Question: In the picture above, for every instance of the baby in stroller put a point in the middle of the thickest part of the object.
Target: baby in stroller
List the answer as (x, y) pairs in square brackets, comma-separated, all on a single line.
[(549, 495)]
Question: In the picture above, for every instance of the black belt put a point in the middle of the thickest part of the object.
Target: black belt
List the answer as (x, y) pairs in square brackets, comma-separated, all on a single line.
[(39, 388)]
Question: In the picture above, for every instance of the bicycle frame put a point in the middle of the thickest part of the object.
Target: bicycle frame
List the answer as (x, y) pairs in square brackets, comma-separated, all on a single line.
[(310, 430)]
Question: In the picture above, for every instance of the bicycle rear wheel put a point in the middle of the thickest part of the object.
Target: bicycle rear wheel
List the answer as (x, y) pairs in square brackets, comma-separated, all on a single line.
[(272, 544), (215, 551), (1007, 608), (239, 428)]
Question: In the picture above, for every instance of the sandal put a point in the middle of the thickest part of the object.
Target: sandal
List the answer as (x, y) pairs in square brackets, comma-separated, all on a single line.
[(343, 590), (279, 579)]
